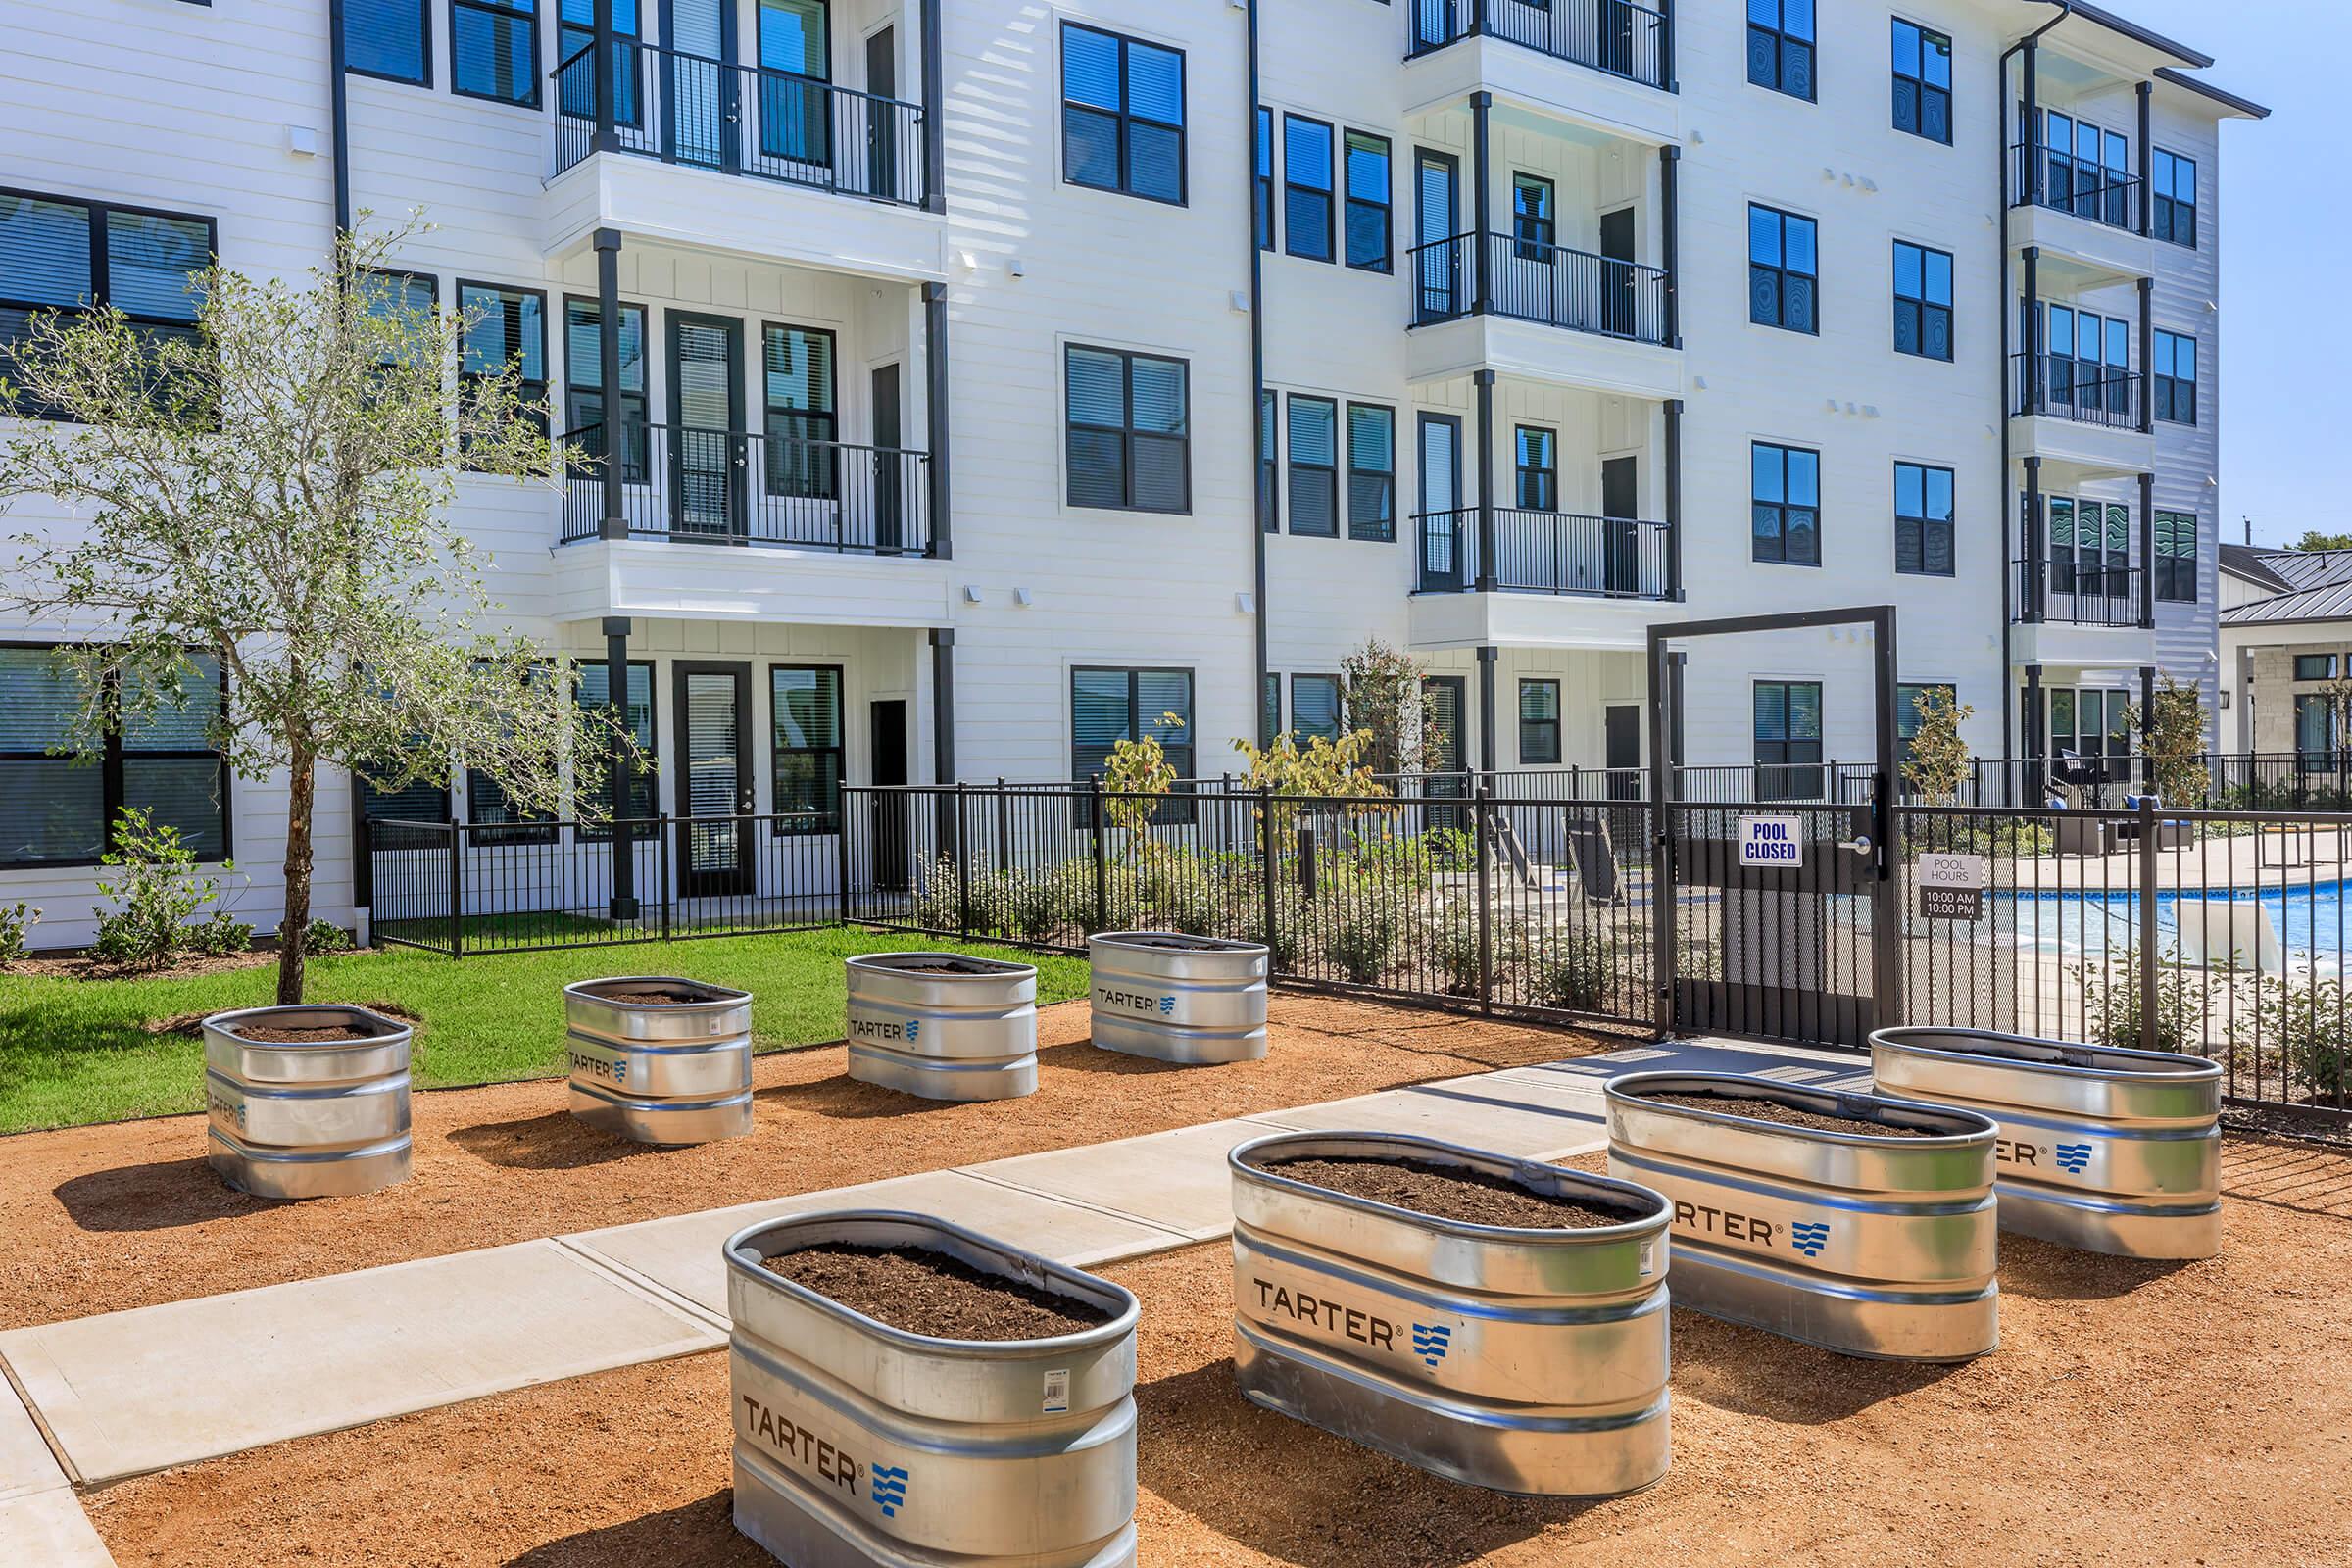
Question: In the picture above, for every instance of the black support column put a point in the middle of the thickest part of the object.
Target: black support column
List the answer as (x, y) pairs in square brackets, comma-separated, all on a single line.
[(606, 81), (1670, 238), (2147, 355), (2147, 550), (616, 701), (2036, 739), (1484, 380), (1486, 751), (935, 411), (2033, 127), (934, 125), (2147, 166), (1480, 106), (1674, 498), (615, 524), (943, 704), (2029, 381), (2036, 542)]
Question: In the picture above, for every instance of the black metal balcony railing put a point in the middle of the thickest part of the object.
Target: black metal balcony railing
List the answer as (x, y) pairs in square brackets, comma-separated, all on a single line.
[(2080, 592), (1532, 282), (2099, 192), (1617, 36), (744, 119), (2082, 390), (1547, 553), (736, 487)]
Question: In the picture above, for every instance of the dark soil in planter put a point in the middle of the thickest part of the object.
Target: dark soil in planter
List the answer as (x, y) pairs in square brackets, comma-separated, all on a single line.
[(655, 995), (947, 966), (267, 1035), (1452, 1192), (1758, 1108), (930, 1292)]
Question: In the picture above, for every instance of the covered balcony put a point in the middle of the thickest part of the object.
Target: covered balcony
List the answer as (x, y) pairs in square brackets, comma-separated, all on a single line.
[(1544, 553), (714, 486), (1617, 37)]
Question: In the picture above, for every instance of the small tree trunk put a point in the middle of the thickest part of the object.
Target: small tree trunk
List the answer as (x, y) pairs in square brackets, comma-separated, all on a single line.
[(293, 932)]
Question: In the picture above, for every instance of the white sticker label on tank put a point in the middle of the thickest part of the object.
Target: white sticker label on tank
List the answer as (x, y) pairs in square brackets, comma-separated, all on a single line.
[(1058, 1391), (1649, 1254)]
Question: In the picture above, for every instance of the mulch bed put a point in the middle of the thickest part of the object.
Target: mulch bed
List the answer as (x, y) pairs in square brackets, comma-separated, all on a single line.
[(81, 966), (1449, 1191), (930, 1292), (1758, 1108)]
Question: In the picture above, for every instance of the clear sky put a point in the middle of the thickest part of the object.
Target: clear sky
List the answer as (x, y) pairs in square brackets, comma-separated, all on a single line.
[(2287, 245)]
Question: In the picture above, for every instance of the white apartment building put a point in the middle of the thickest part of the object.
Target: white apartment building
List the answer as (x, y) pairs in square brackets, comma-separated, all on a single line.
[(993, 377)]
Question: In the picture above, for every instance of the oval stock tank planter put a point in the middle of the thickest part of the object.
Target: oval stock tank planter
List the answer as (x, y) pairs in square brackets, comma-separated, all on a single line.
[(942, 1026), (1527, 1358), (2103, 1148), (860, 1442), (1873, 1236), (1178, 998), (307, 1102), (657, 1060)]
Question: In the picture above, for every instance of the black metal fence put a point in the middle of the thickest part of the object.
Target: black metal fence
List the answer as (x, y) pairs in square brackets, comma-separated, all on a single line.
[(1547, 552), (1617, 36), (747, 487), (1535, 281)]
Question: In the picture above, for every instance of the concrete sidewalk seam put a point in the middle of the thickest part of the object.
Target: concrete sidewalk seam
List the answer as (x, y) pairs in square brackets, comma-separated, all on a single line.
[(643, 1285), (1173, 1239)]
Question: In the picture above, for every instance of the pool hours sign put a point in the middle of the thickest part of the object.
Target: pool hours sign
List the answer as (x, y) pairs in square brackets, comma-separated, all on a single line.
[(1951, 886)]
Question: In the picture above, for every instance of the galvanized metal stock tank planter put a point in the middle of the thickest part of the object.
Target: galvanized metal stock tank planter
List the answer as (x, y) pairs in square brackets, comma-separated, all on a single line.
[(1865, 1244), (1178, 998), (942, 1026), (2108, 1149), (308, 1118), (655, 1069), (858, 1444), (1531, 1361)]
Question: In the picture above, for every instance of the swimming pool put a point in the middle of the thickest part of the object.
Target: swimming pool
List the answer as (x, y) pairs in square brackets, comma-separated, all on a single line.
[(2308, 921)]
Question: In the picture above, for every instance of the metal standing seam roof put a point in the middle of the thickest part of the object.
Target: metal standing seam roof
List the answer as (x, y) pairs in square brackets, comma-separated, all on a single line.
[(2328, 601)]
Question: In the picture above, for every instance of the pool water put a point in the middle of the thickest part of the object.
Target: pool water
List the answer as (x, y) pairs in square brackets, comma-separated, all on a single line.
[(2308, 919)]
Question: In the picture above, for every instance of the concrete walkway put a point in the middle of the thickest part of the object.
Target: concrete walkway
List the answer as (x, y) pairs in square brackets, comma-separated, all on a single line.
[(127, 1392)]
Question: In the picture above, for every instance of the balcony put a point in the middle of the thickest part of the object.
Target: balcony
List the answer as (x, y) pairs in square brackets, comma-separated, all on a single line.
[(2081, 615), (2103, 193), (687, 485), (2082, 217), (1469, 316), (2080, 413), (1547, 553), (1613, 36)]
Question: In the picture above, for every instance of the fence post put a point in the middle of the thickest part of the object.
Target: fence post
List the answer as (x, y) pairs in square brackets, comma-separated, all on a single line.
[(662, 826), (2147, 922), (1101, 860), (964, 868), (1004, 826), (1267, 859), (457, 889), (1481, 795), (841, 860)]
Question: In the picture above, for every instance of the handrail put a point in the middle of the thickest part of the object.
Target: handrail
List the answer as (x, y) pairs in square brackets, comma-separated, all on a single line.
[(1537, 281), (687, 483), (1565, 553), (1618, 38)]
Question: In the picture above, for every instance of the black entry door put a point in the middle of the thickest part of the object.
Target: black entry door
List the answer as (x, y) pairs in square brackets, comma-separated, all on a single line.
[(1446, 707), (890, 500), (708, 459), (702, 98), (1440, 268), (881, 123), (1445, 538), (1619, 505), (1617, 314), (1621, 739), (893, 822), (713, 704)]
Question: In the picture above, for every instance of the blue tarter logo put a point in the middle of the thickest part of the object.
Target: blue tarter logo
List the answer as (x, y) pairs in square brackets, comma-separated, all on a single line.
[(1168, 1006), (915, 1026), (621, 1071), (2073, 1157), (1430, 1341), (1809, 1237), (890, 1489)]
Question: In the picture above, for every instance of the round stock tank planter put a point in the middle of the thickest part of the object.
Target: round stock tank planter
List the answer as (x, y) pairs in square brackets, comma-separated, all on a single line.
[(862, 1441), (307, 1102), (942, 1026), (1528, 1356), (1850, 1221), (2103, 1148), (1176, 998), (657, 1060)]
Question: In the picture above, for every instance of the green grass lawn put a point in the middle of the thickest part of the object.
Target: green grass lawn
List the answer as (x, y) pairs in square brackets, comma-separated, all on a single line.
[(73, 1051)]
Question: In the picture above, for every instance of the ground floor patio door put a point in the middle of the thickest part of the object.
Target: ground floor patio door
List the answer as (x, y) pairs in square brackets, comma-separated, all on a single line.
[(713, 704), (893, 820)]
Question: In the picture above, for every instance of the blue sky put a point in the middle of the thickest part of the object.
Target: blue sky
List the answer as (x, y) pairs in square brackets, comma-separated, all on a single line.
[(2286, 231)]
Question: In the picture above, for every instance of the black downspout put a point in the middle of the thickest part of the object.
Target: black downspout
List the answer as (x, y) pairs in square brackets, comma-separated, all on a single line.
[(339, 109), (934, 125), (615, 521), (1670, 199), (1481, 103), (1257, 404), (1674, 498), (616, 701), (934, 419)]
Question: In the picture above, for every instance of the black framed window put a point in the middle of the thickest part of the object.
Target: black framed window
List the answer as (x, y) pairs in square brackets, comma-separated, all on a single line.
[(799, 417), (2176, 377), (1923, 521), (583, 385), (1269, 706), (1269, 507), (1923, 81), (2173, 197), (1539, 722), (489, 808), (1123, 114), (1907, 696), (2177, 557), (2315, 729), (1923, 301), (1110, 704), (389, 38), (593, 691), (1784, 269), (383, 292), (1534, 219), (57, 809), (805, 760), (1262, 190), (2090, 721), (1130, 430), (1368, 201), (506, 335), (1537, 467), (1786, 491), (575, 35), (2087, 170), (2315, 667), (1780, 46), (1371, 472), (1307, 190), (61, 254), (1315, 708), (1787, 720), (1314, 440), (494, 50)]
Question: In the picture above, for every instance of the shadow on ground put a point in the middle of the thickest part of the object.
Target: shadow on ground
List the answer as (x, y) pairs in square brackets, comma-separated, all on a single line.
[(1750, 1372), (161, 1196), (556, 1141), (698, 1535), (2048, 1272), (845, 1098)]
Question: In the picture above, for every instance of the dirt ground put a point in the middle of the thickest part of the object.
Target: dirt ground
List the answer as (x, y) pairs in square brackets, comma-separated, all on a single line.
[(96, 1219), (2136, 1414)]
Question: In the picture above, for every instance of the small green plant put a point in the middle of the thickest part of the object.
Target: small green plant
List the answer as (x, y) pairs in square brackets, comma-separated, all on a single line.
[(2304, 1018), (1138, 776), (2111, 1005), (156, 891), (1579, 973), (220, 936), (16, 928), (2172, 738), (1938, 762), (1360, 933), (327, 937)]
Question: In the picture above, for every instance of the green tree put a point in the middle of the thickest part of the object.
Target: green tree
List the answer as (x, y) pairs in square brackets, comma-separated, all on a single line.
[(272, 490), (1938, 761), (2313, 539), (2172, 740), (1389, 700)]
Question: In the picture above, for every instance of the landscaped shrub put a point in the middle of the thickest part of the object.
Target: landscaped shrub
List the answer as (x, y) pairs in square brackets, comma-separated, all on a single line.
[(16, 925), (1454, 947), (1361, 927), (325, 936), (220, 936), (156, 891), (2111, 1005), (2303, 1018), (1578, 971)]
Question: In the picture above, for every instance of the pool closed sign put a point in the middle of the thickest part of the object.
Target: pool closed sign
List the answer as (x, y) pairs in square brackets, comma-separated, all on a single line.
[(1772, 842), (1951, 886)]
